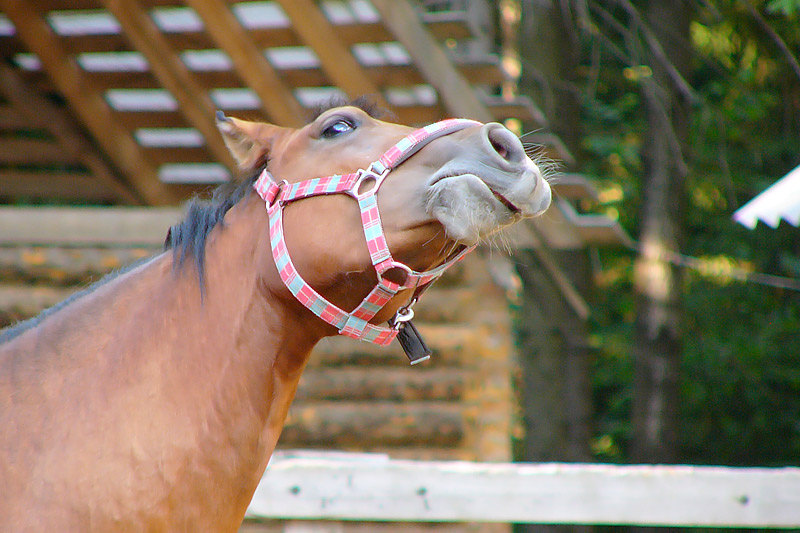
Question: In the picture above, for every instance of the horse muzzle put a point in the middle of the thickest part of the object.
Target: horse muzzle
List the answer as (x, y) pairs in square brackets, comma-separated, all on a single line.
[(489, 183)]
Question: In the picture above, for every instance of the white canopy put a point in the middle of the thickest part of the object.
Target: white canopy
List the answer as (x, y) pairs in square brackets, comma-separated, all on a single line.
[(780, 201)]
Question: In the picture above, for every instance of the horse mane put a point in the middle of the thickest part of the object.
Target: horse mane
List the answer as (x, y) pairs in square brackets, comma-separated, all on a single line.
[(187, 239)]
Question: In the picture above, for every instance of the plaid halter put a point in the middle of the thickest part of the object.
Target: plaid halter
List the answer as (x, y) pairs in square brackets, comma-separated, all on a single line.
[(356, 324)]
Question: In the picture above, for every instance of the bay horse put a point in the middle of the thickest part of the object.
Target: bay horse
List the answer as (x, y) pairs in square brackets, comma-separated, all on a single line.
[(153, 400)]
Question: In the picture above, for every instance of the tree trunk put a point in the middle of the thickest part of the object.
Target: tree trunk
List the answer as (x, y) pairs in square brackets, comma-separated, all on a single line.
[(555, 359), (553, 340), (657, 338)]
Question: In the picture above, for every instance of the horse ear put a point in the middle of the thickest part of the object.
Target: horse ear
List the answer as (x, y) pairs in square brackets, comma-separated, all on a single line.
[(249, 142)]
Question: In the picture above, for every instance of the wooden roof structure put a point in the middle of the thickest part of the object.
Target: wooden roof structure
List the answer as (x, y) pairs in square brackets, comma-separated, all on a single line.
[(113, 101)]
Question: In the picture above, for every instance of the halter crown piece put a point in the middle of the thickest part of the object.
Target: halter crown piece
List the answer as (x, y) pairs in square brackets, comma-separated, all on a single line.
[(356, 324)]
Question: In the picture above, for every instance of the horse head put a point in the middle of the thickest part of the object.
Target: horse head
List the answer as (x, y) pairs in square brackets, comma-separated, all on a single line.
[(442, 190)]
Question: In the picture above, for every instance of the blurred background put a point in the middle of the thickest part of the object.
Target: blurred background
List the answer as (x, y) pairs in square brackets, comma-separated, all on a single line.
[(636, 321)]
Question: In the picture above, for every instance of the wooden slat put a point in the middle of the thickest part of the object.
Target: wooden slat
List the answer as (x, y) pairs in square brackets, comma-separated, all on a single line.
[(24, 302), (276, 98), (71, 139), (387, 423), (484, 73), (337, 61), (452, 26), (411, 115), (450, 344), (86, 102), (595, 229), (381, 384), (11, 119), (415, 114), (520, 107), (86, 226), (38, 185), (52, 265), (458, 96), (573, 186), (132, 120), (160, 156), (168, 67), (15, 150), (377, 488)]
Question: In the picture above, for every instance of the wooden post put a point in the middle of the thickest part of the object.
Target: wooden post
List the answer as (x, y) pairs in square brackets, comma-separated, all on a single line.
[(458, 96)]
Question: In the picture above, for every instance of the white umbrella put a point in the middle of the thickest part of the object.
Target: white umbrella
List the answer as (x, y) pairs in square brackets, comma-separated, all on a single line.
[(780, 201)]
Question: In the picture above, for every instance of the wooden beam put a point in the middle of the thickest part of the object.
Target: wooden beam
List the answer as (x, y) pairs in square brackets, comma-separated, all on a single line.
[(458, 96), (484, 72), (388, 424), (16, 150), (90, 106), (18, 184), (415, 114), (59, 266), (442, 25), (574, 186), (277, 99), (373, 487), (194, 102), (21, 302), (334, 55), (86, 226), (71, 140), (11, 118)]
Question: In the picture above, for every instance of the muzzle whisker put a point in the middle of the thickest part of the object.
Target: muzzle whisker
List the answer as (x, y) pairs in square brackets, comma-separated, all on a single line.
[(537, 130)]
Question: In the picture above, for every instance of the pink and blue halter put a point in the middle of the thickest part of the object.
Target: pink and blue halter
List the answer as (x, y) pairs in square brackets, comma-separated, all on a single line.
[(356, 323)]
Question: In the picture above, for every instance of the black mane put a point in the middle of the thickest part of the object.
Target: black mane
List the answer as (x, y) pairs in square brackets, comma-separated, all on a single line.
[(187, 239)]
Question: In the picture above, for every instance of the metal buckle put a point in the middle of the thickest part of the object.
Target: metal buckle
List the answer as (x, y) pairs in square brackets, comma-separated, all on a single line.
[(278, 189), (404, 314), (367, 174)]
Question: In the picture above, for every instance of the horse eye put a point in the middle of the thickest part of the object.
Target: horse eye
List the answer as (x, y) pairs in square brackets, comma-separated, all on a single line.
[(337, 128)]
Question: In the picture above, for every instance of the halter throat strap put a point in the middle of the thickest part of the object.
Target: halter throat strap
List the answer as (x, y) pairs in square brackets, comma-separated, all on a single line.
[(356, 324)]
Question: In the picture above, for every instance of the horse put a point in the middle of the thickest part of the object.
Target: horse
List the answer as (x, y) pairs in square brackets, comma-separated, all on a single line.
[(153, 400)]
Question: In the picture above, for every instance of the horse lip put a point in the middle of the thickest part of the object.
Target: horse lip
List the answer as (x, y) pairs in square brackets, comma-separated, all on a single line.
[(506, 202), (500, 197)]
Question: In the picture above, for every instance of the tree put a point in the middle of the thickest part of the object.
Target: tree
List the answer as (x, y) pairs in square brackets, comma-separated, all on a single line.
[(657, 335), (556, 364), (694, 357)]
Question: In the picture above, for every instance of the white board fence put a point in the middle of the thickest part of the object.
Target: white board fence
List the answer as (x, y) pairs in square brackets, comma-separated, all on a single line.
[(375, 488)]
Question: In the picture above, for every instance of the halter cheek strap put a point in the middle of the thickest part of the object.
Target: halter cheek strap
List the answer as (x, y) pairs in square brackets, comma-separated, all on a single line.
[(356, 323)]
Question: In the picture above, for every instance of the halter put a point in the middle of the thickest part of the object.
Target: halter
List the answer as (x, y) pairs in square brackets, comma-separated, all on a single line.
[(356, 324)]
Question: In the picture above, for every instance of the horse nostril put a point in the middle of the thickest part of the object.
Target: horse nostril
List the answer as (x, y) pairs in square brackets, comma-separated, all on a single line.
[(505, 143), (499, 148)]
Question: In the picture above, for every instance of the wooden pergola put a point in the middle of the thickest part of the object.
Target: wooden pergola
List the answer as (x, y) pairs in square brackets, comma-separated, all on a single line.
[(113, 101)]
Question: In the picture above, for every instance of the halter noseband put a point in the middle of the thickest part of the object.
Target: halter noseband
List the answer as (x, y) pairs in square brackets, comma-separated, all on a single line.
[(356, 324)]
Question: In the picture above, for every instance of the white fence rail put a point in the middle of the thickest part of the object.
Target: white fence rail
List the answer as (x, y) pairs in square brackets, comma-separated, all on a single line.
[(375, 488)]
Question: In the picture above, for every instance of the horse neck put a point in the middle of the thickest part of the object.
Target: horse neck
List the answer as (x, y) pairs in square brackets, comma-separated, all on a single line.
[(195, 388), (248, 342)]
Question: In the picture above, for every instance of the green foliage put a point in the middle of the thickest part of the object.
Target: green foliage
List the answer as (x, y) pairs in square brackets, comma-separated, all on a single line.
[(787, 8), (740, 382), (740, 402)]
